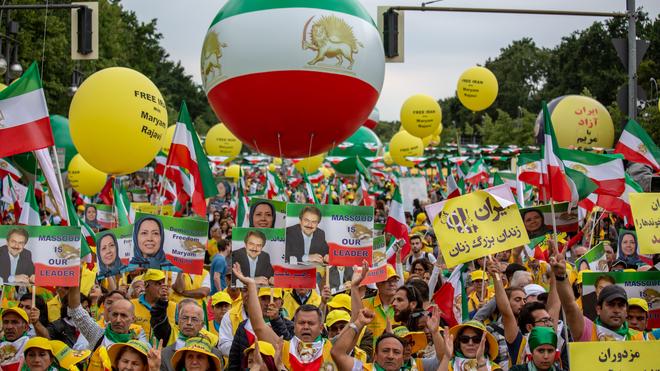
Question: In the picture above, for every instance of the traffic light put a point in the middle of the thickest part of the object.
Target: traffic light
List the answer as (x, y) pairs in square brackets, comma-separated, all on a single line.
[(84, 30), (391, 33)]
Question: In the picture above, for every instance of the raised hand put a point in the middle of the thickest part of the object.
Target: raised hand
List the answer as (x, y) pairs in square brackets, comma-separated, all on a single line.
[(358, 277), (558, 264), (236, 270), (365, 316), (326, 294), (34, 315), (481, 349), (449, 343), (153, 357)]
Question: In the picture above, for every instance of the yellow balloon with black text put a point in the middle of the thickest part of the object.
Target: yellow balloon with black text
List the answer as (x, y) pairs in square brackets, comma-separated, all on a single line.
[(582, 122), (118, 120), (233, 171), (221, 142), (169, 135), (420, 115), (84, 178), (310, 164), (404, 144), (477, 88)]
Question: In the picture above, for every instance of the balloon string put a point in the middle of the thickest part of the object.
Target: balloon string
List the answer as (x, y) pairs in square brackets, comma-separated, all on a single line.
[(311, 139), (279, 144), (43, 47), (254, 141)]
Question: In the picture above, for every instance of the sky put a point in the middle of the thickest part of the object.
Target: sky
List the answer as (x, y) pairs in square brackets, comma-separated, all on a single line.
[(438, 46)]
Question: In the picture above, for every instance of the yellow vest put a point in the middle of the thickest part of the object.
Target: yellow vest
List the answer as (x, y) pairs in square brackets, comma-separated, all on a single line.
[(291, 305), (143, 316), (100, 361), (377, 325), (191, 282), (54, 306), (213, 338), (236, 316), (473, 300)]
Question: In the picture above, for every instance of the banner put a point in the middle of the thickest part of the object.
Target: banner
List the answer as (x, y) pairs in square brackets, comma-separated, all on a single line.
[(114, 249), (646, 214), (595, 259), (566, 220), (147, 208), (99, 216), (259, 249), (138, 195), (294, 276), (266, 213), (378, 270), (477, 224), (645, 285), (335, 234), (46, 256), (614, 355), (412, 188), (168, 243)]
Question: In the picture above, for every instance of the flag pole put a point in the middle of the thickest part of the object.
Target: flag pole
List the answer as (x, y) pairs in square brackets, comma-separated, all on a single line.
[(59, 179)]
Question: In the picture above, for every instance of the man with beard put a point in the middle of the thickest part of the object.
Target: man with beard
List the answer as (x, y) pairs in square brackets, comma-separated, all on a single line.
[(307, 350), (15, 324), (406, 300)]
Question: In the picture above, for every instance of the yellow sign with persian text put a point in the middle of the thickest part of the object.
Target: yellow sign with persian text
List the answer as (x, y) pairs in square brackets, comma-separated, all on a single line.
[(646, 214), (476, 225), (614, 355), (147, 208)]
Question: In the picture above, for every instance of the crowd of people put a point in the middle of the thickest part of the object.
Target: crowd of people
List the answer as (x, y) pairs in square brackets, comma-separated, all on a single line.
[(521, 311)]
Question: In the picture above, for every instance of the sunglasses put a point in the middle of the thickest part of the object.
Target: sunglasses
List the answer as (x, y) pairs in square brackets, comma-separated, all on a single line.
[(465, 339)]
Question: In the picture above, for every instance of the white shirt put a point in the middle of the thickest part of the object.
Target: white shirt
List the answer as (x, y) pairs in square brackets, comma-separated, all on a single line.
[(13, 262), (226, 333), (307, 245), (253, 265)]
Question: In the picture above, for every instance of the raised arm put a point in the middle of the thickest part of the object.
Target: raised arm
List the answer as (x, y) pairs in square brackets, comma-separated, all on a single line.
[(574, 317), (357, 291), (508, 319), (261, 329), (347, 339), (553, 306)]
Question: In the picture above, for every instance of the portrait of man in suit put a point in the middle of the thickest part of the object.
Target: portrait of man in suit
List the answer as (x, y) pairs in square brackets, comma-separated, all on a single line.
[(15, 261), (340, 278), (306, 241), (253, 260)]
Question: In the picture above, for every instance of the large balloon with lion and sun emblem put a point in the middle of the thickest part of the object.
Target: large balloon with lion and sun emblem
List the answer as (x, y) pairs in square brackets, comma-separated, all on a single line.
[(292, 78)]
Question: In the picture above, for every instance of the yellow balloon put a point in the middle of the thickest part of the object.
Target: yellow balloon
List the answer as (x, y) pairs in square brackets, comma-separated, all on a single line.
[(221, 142), (233, 171), (438, 131), (581, 122), (169, 135), (277, 161), (118, 120), (427, 140), (387, 159), (327, 172), (403, 145), (477, 88), (420, 115), (272, 167), (84, 178), (310, 164)]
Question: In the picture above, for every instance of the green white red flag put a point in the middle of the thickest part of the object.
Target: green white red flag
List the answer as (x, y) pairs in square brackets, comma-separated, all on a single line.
[(309, 189), (637, 146), (30, 209), (7, 168), (24, 120), (187, 153), (477, 173), (242, 209), (554, 180), (125, 214), (619, 205), (605, 170), (396, 224)]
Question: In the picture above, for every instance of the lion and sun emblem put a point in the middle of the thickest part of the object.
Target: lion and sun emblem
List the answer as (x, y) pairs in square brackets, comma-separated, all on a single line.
[(331, 37)]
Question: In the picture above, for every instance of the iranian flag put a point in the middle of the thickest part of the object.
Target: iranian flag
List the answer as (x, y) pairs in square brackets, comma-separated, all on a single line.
[(89, 238), (449, 293), (605, 170), (453, 189), (637, 146), (274, 186), (508, 178), (24, 121), (477, 173), (309, 189), (553, 174), (619, 205), (242, 209), (30, 209), (396, 224), (186, 152), (362, 173), (315, 177), (125, 213), (580, 185), (6, 168), (530, 169)]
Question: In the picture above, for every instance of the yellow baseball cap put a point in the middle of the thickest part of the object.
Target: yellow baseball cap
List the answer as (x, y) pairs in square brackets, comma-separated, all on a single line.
[(220, 297), (478, 275), (67, 357), (264, 348), (38, 342), (18, 311), (265, 291), (416, 339), (391, 272), (153, 275), (336, 316), (340, 301), (639, 302)]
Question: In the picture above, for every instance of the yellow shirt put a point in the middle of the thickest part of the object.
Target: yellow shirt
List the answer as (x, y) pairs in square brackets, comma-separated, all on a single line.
[(143, 316), (212, 248), (474, 302), (54, 306), (191, 282), (291, 305), (378, 324)]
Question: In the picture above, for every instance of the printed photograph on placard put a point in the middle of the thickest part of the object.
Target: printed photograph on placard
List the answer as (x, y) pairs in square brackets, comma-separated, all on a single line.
[(538, 219), (257, 251), (628, 250), (99, 216), (169, 243), (114, 249), (266, 213), (595, 259), (226, 193), (138, 195), (43, 256), (339, 235)]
